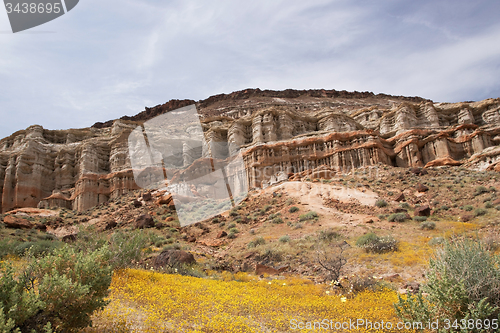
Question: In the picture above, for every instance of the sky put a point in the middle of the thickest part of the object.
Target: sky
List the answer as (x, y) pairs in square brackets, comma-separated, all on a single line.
[(106, 59)]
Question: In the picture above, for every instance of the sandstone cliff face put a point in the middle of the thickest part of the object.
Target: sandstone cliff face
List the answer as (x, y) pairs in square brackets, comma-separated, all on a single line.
[(279, 134)]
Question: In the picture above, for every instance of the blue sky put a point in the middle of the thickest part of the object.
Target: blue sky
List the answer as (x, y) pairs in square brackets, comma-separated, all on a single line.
[(106, 59)]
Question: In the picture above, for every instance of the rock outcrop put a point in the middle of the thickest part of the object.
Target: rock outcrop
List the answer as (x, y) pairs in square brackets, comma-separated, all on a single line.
[(315, 134)]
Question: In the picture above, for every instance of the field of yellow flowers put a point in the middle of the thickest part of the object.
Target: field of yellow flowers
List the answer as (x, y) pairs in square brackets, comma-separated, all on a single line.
[(146, 301)]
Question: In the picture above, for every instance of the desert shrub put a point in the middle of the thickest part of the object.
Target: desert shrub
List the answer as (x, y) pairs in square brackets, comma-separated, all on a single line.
[(488, 204), (480, 190), (436, 241), (277, 220), (381, 203), (463, 284), (174, 246), (404, 205), (234, 230), (215, 220), (397, 217), (293, 209), (444, 207), (492, 189), (366, 239), (125, 248), (427, 225), (63, 288), (480, 212), (359, 284), (382, 245), (7, 247), (468, 208), (264, 209), (38, 248), (233, 212), (308, 216), (420, 218), (231, 225), (375, 244), (497, 207), (271, 255), (328, 235), (284, 239), (231, 235), (273, 216), (256, 242)]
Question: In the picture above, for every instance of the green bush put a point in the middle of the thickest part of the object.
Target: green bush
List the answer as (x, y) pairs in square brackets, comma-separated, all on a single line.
[(265, 209), (420, 218), (383, 245), (293, 209), (256, 242), (125, 248), (284, 239), (328, 235), (375, 244), (308, 216), (397, 217), (480, 212), (480, 190), (436, 241), (488, 204), (404, 205), (234, 230), (427, 225), (468, 208), (380, 203), (277, 220), (38, 248), (60, 290), (463, 284), (366, 239)]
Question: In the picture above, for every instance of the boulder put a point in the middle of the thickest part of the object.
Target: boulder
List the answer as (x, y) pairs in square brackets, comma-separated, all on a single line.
[(17, 223), (221, 234), (164, 200), (144, 221), (147, 196), (173, 257), (422, 211), (110, 223), (137, 203), (466, 217), (421, 188), (263, 269), (400, 197)]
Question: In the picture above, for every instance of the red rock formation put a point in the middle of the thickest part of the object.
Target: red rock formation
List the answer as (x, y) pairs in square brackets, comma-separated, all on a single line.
[(313, 133)]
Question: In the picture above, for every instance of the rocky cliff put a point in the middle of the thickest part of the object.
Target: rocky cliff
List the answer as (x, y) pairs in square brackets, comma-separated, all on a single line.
[(280, 135)]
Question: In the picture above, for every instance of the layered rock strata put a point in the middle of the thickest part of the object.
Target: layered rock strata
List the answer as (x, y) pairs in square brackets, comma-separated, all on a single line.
[(278, 134)]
